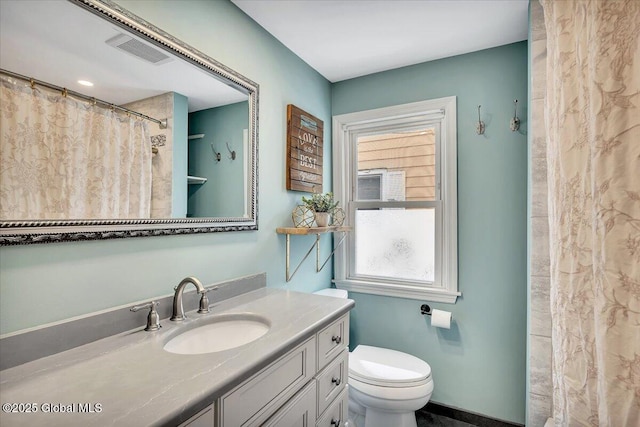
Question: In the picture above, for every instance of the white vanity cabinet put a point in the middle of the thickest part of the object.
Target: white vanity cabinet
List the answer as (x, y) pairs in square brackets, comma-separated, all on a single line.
[(333, 373), (306, 387), (323, 402), (336, 414), (256, 399), (331, 380), (204, 418), (300, 411)]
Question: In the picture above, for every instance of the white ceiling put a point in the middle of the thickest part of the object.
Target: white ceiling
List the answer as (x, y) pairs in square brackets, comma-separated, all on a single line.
[(343, 39), (58, 42), (55, 41)]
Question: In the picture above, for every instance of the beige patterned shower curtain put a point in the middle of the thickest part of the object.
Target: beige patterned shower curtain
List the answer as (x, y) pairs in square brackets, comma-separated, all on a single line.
[(62, 158), (593, 117)]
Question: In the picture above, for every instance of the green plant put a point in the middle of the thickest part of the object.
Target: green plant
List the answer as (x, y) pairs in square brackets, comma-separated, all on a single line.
[(320, 202)]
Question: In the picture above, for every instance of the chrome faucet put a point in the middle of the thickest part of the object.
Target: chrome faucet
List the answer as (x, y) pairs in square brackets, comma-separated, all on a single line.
[(153, 319), (204, 300), (178, 310)]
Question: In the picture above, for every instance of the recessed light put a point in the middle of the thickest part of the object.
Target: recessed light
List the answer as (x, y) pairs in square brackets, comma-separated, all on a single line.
[(85, 83)]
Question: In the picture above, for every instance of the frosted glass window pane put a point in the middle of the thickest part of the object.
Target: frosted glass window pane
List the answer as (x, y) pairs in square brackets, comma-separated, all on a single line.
[(396, 243)]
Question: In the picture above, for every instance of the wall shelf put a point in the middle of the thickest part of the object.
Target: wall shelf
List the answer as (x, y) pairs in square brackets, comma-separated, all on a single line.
[(195, 180), (305, 231)]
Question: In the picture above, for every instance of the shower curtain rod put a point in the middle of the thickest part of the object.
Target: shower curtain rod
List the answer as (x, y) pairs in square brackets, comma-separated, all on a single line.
[(65, 92)]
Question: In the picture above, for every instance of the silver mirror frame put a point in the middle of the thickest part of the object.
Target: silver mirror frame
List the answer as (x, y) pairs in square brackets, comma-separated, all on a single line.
[(52, 231)]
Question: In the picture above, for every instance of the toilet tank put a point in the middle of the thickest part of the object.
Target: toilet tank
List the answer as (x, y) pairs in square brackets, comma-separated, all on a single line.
[(332, 292)]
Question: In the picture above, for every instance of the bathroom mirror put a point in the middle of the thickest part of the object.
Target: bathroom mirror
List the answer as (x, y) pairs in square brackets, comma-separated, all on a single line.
[(199, 138)]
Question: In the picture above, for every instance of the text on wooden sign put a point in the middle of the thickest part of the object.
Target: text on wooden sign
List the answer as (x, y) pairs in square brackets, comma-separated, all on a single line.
[(304, 151)]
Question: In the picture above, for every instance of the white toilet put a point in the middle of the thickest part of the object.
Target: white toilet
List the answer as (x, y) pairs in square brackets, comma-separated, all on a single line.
[(386, 387)]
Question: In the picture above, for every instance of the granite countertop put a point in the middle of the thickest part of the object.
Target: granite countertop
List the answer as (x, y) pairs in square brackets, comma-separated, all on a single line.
[(129, 380)]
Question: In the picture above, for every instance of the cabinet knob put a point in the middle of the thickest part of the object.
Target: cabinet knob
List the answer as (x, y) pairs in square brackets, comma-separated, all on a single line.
[(335, 423), (336, 381), (337, 339)]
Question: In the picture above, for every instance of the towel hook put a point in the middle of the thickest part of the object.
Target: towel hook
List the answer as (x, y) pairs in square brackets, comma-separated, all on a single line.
[(215, 153), (233, 153), (480, 125), (515, 121)]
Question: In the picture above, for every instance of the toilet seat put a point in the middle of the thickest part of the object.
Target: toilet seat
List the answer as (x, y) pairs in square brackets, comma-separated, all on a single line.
[(391, 397), (387, 368)]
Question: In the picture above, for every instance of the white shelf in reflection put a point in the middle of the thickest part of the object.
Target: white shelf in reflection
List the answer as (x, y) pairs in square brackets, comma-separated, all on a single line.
[(195, 180)]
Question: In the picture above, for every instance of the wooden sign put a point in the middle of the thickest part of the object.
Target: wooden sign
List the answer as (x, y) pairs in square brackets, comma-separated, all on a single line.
[(304, 151)]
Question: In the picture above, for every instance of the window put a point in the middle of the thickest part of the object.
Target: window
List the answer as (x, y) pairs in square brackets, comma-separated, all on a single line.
[(369, 186), (395, 175)]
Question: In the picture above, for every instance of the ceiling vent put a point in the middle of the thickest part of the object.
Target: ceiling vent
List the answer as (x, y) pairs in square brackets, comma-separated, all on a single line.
[(138, 49)]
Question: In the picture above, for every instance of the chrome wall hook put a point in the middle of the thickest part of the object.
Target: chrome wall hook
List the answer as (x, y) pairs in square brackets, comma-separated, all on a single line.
[(215, 153), (232, 152), (515, 121), (480, 125)]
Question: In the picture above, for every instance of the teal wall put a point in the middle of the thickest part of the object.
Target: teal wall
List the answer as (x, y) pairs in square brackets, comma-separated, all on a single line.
[(52, 282), (179, 186), (223, 193), (479, 364)]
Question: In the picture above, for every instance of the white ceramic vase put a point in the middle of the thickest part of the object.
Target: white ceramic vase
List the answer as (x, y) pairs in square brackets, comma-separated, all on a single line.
[(322, 219)]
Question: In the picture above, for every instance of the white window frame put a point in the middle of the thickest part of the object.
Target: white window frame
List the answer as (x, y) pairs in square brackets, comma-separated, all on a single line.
[(442, 114)]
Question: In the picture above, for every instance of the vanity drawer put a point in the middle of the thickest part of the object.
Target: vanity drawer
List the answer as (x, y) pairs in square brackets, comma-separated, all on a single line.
[(331, 381), (336, 415), (332, 339), (204, 418), (300, 411), (252, 402)]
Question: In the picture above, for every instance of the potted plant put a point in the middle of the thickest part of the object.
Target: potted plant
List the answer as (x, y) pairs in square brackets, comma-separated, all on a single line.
[(323, 205)]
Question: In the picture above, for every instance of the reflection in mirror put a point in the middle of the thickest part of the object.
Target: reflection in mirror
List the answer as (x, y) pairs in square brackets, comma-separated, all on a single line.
[(222, 130), (112, 128)]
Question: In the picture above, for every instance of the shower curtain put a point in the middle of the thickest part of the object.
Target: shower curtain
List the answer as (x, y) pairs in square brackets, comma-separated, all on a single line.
[(592, 114), (62, 158)]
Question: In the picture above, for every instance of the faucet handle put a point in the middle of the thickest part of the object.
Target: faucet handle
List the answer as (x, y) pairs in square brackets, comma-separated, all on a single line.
[(153, 319), (204, 300)]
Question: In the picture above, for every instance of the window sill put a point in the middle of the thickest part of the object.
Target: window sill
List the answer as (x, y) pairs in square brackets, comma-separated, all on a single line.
[(398, 291)]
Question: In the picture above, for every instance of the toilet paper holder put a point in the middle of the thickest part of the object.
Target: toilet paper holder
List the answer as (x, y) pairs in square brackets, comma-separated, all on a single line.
[(425, 309), (439, 318)]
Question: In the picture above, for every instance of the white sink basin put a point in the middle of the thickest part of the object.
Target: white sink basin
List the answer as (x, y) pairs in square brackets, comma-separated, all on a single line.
[(222, 333)]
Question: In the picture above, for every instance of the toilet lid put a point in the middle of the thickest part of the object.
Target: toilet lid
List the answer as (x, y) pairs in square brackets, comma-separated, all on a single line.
[(388, 368)]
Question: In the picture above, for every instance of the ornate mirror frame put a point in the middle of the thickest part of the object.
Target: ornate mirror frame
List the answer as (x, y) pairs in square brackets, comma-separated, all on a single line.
[(49, 231)]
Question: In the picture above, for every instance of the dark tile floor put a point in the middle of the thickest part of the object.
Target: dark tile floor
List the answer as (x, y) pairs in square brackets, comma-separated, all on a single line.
[(427, 419)]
